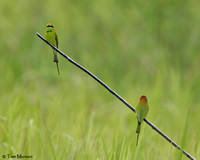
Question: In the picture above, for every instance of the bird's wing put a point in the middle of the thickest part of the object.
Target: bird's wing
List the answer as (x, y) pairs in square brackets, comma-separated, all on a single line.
[(56, 37), (142, 111)]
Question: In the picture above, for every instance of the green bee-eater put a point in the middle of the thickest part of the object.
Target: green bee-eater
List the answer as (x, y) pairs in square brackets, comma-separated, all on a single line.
[(142, 109), (52, 38)]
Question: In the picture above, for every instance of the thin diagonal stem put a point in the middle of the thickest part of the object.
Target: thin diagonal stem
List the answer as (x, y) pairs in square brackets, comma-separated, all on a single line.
[(116, 95)]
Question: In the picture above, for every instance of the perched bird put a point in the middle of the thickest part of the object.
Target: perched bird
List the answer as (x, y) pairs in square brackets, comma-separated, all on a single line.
[(52, 38), (142, 109)]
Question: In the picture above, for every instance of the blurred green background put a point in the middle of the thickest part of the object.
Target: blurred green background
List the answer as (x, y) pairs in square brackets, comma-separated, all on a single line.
[(137, 48)]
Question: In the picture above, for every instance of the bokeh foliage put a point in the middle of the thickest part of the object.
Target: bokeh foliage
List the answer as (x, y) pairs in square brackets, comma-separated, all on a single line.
[(135, 47)]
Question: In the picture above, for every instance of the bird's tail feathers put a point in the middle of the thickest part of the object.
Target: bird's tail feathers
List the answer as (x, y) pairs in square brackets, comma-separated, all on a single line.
[(138, 128), (57, 68), (55, 57), (137, 138), (138, 131)]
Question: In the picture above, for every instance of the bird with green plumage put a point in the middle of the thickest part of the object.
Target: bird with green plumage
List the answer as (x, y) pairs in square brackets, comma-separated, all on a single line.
[(52, 38), (142, 109)]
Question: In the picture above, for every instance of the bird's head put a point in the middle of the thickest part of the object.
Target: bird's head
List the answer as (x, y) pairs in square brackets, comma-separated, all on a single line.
[(49, 27), (143, 99)]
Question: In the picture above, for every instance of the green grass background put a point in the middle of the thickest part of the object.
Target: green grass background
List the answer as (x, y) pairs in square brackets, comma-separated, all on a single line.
[(135, 47)]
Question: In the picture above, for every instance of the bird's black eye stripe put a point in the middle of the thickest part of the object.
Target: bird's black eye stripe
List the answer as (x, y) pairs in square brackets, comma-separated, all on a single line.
[(50, 26)]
